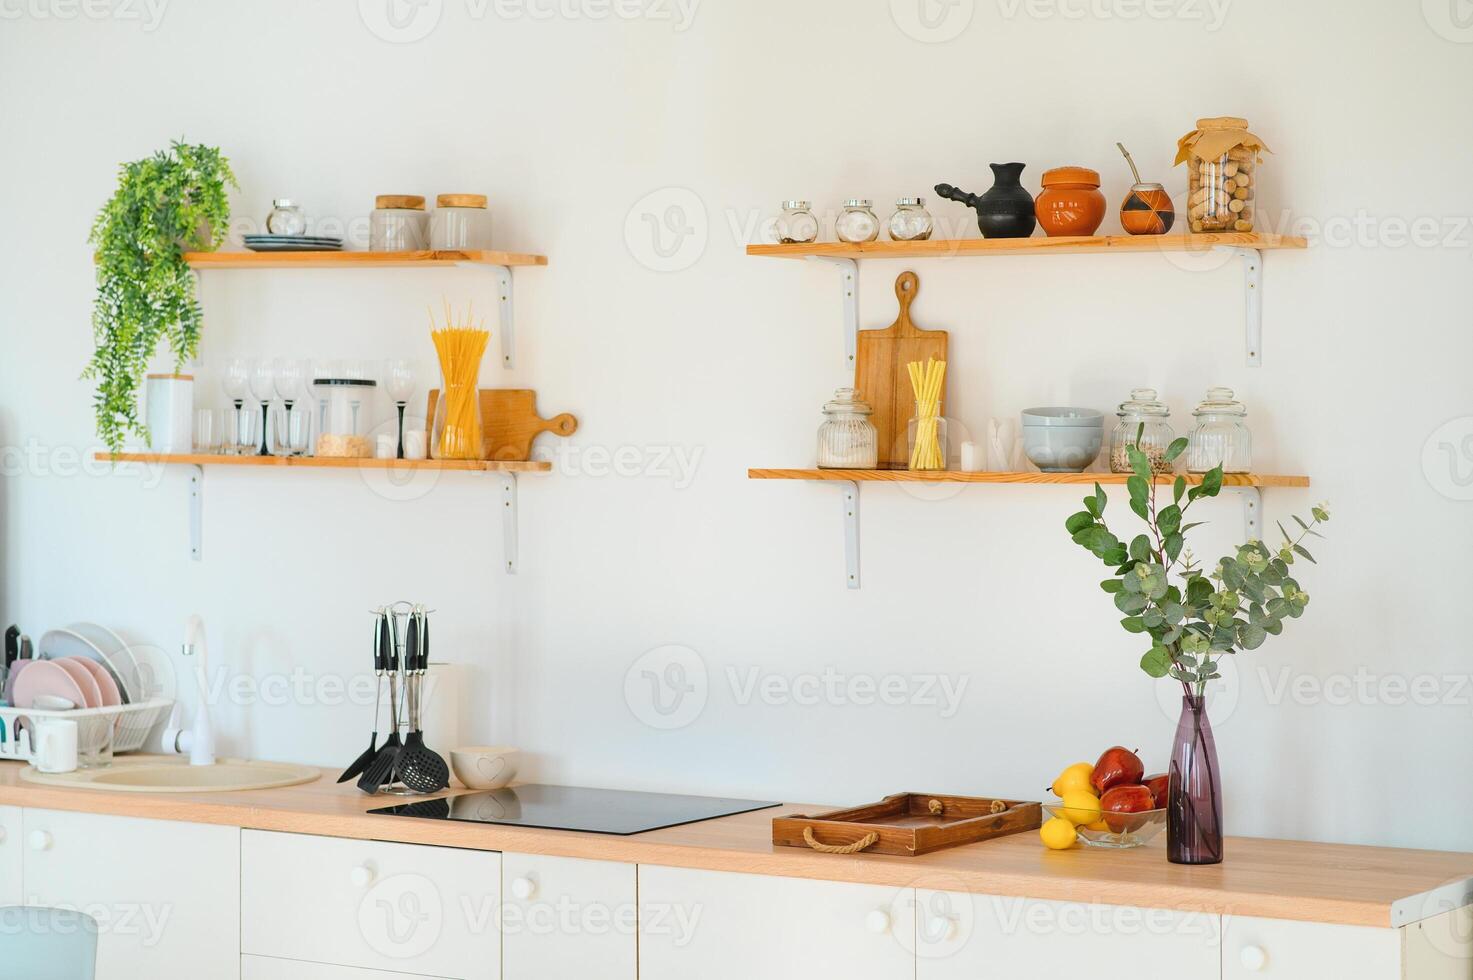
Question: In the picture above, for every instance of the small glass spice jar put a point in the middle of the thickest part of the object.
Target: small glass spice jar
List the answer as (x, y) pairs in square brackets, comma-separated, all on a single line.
[(1147, 415), (911, 222), (857, 222), (1221, 437), (399, 223), (796, 225), (286, 218), (847, 439), (460, 222)]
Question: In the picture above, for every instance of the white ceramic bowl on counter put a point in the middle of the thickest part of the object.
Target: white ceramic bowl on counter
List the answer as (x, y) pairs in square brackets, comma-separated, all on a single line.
[(484, 766), (1063, 440)]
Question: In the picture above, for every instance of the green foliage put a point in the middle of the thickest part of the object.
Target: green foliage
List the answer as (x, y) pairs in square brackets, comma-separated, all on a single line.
[(145, 290), (1193, 623)]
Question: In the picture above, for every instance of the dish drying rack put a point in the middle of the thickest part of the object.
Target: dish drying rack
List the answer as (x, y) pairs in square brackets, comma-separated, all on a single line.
[(130, 723)]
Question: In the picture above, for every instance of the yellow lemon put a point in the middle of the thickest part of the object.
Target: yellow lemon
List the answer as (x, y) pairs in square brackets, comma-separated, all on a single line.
[(1058, 834), (1074, 779), (1098, 825), (1081, 807)]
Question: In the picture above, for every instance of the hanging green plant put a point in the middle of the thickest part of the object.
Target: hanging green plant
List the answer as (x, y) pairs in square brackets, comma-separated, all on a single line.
[(172, 202)]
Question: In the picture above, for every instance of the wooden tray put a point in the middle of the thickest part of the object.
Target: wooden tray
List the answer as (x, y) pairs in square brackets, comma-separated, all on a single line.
[(907, 824)]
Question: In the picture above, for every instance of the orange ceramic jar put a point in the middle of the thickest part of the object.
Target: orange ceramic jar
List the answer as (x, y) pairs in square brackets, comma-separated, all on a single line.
[(1071, 202)]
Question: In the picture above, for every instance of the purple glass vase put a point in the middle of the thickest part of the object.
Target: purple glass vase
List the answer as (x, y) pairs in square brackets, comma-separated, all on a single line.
[(1194, 799)]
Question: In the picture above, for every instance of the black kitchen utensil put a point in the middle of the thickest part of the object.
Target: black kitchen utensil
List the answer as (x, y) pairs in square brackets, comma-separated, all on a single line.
[(420, 767), (381, 641), (381, 770)]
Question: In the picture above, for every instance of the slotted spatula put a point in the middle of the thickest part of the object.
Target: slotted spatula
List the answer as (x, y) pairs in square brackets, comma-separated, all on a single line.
[(381, 769), (420, 767), (381, 640)]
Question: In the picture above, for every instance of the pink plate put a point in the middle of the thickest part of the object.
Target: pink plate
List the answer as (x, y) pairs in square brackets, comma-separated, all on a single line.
[(45, 677), (8, 694), (90, 691), (106, 686)]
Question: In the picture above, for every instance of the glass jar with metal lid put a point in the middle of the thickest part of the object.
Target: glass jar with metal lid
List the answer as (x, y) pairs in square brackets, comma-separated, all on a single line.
[(796, 225), (1221, 437), (857, 222), (286, 218), (911, 222), (345, 423), (461, 222), (399, 223), (1143, 417), (847, 439)]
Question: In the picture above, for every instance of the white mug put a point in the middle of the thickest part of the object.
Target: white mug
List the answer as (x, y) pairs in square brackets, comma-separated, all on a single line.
[(56, 745)]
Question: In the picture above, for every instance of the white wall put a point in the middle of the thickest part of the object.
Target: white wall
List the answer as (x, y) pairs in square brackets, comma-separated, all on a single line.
[(567, 123)]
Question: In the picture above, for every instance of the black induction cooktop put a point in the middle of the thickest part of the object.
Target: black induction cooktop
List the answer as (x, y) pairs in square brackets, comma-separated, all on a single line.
[(598, 811)]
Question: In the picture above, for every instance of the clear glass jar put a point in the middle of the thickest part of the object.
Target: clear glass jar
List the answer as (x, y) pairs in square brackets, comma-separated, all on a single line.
[(286, 218), (796, 225), (847, 439), (1222, 187), (399, 223), (344, 429), (1143, 408), (857, 222), (911, 222), (1221, 437), (926, 438), (461, 222)]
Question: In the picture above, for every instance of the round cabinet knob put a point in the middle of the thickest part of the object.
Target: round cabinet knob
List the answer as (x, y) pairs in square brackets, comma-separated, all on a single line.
[(1253, 958), (523, 888), (362, 876), (40, 840), (878, 922)]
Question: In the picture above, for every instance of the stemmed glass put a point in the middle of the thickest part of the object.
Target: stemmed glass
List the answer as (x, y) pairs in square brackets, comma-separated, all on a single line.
[(263, 386), (399, 379), (236, 382), (288, 376)]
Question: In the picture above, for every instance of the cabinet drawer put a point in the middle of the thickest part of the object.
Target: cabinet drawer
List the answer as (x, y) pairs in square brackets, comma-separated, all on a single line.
[(394, 907), (568, 919), (961, 936), (270, 968), (716, 925), (1283, 950), (11, 892)]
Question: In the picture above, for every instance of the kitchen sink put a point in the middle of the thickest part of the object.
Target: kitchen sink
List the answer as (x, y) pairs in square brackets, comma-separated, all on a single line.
[(165, 774)]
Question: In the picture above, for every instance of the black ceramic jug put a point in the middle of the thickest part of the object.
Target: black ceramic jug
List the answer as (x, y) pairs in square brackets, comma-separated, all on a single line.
[(1006, 210)]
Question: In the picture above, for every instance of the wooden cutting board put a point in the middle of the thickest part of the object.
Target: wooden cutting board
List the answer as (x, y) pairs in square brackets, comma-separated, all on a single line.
[(509, 422), (881, 377)]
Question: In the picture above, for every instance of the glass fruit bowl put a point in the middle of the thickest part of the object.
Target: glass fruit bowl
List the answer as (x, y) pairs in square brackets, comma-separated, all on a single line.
[(1116, 830)]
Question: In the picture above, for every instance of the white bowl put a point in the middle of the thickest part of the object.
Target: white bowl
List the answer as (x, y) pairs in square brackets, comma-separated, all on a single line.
[(484, 766)]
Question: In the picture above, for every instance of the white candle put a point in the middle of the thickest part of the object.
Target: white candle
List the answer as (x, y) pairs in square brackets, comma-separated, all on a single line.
[(415, 444), (973, 460)]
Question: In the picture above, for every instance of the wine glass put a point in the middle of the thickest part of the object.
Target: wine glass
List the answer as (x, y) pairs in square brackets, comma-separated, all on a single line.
[(237, 383), (399, 380), (263, 386), (287, 377)]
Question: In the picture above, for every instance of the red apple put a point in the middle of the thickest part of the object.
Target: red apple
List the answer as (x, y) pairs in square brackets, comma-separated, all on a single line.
[(1117, 767), (1121, 801), (1158, 785)]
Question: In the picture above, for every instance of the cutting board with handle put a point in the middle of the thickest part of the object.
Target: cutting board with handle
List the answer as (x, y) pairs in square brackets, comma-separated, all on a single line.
[(882, 379), (509, 422)]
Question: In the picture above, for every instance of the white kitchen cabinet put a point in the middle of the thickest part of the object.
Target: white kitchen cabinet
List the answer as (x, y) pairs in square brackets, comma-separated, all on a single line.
[(961, 936), (373, 905), (166, 894), (271, 968), (1276, 949), (11, 892), (568, 919), (716, 925)]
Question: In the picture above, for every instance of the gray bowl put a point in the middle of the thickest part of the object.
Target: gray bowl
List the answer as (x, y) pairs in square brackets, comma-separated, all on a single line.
[(1063, 440)]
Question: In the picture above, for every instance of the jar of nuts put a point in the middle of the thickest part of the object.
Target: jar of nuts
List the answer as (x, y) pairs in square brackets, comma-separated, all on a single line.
[(1222, 180), (1143, 422)]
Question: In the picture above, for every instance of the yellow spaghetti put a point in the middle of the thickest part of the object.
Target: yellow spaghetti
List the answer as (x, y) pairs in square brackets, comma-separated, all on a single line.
[(457, 433), (928, 449)]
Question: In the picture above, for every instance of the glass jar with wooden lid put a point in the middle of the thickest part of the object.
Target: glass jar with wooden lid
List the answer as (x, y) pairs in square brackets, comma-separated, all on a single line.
[(461, 222), (1222, 176), (399, 223)]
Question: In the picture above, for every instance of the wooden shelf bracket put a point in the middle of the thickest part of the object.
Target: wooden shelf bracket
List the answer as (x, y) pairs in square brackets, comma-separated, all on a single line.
[(196, 512), (848, 304), (509, 521), (504, 307), (849, 497), (1252, 301)]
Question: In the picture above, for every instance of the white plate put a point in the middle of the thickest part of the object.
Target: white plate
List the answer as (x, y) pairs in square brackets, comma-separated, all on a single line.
[(55, 644)]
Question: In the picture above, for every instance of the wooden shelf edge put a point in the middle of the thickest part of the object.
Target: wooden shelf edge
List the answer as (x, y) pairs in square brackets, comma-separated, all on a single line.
[(1057, 479), (318, 462), (327, 260), (1003, 246)]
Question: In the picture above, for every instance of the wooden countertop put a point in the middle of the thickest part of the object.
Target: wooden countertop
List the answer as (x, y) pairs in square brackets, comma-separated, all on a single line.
[(1333, 883)]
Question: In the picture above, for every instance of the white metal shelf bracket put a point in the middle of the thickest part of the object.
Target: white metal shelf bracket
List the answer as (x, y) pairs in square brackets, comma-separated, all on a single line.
[(1252, 498), (849, 304), (849, 496), (509, 521), (196, 512), (1252, 301), (506, 320)]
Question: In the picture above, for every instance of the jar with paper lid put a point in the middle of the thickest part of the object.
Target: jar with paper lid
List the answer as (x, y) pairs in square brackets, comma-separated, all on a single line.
[(847, 439), (1144, 422), (461, 222), (1221, 436), (399, 223), (1222, 174)]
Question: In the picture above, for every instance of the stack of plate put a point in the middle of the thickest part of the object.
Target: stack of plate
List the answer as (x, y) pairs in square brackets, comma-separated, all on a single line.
[(292, 243)]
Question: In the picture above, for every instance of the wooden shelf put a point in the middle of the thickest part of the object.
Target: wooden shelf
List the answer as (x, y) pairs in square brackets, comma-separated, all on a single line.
[(938, 249), (334, 463), (1068, 479), (355, 260)]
